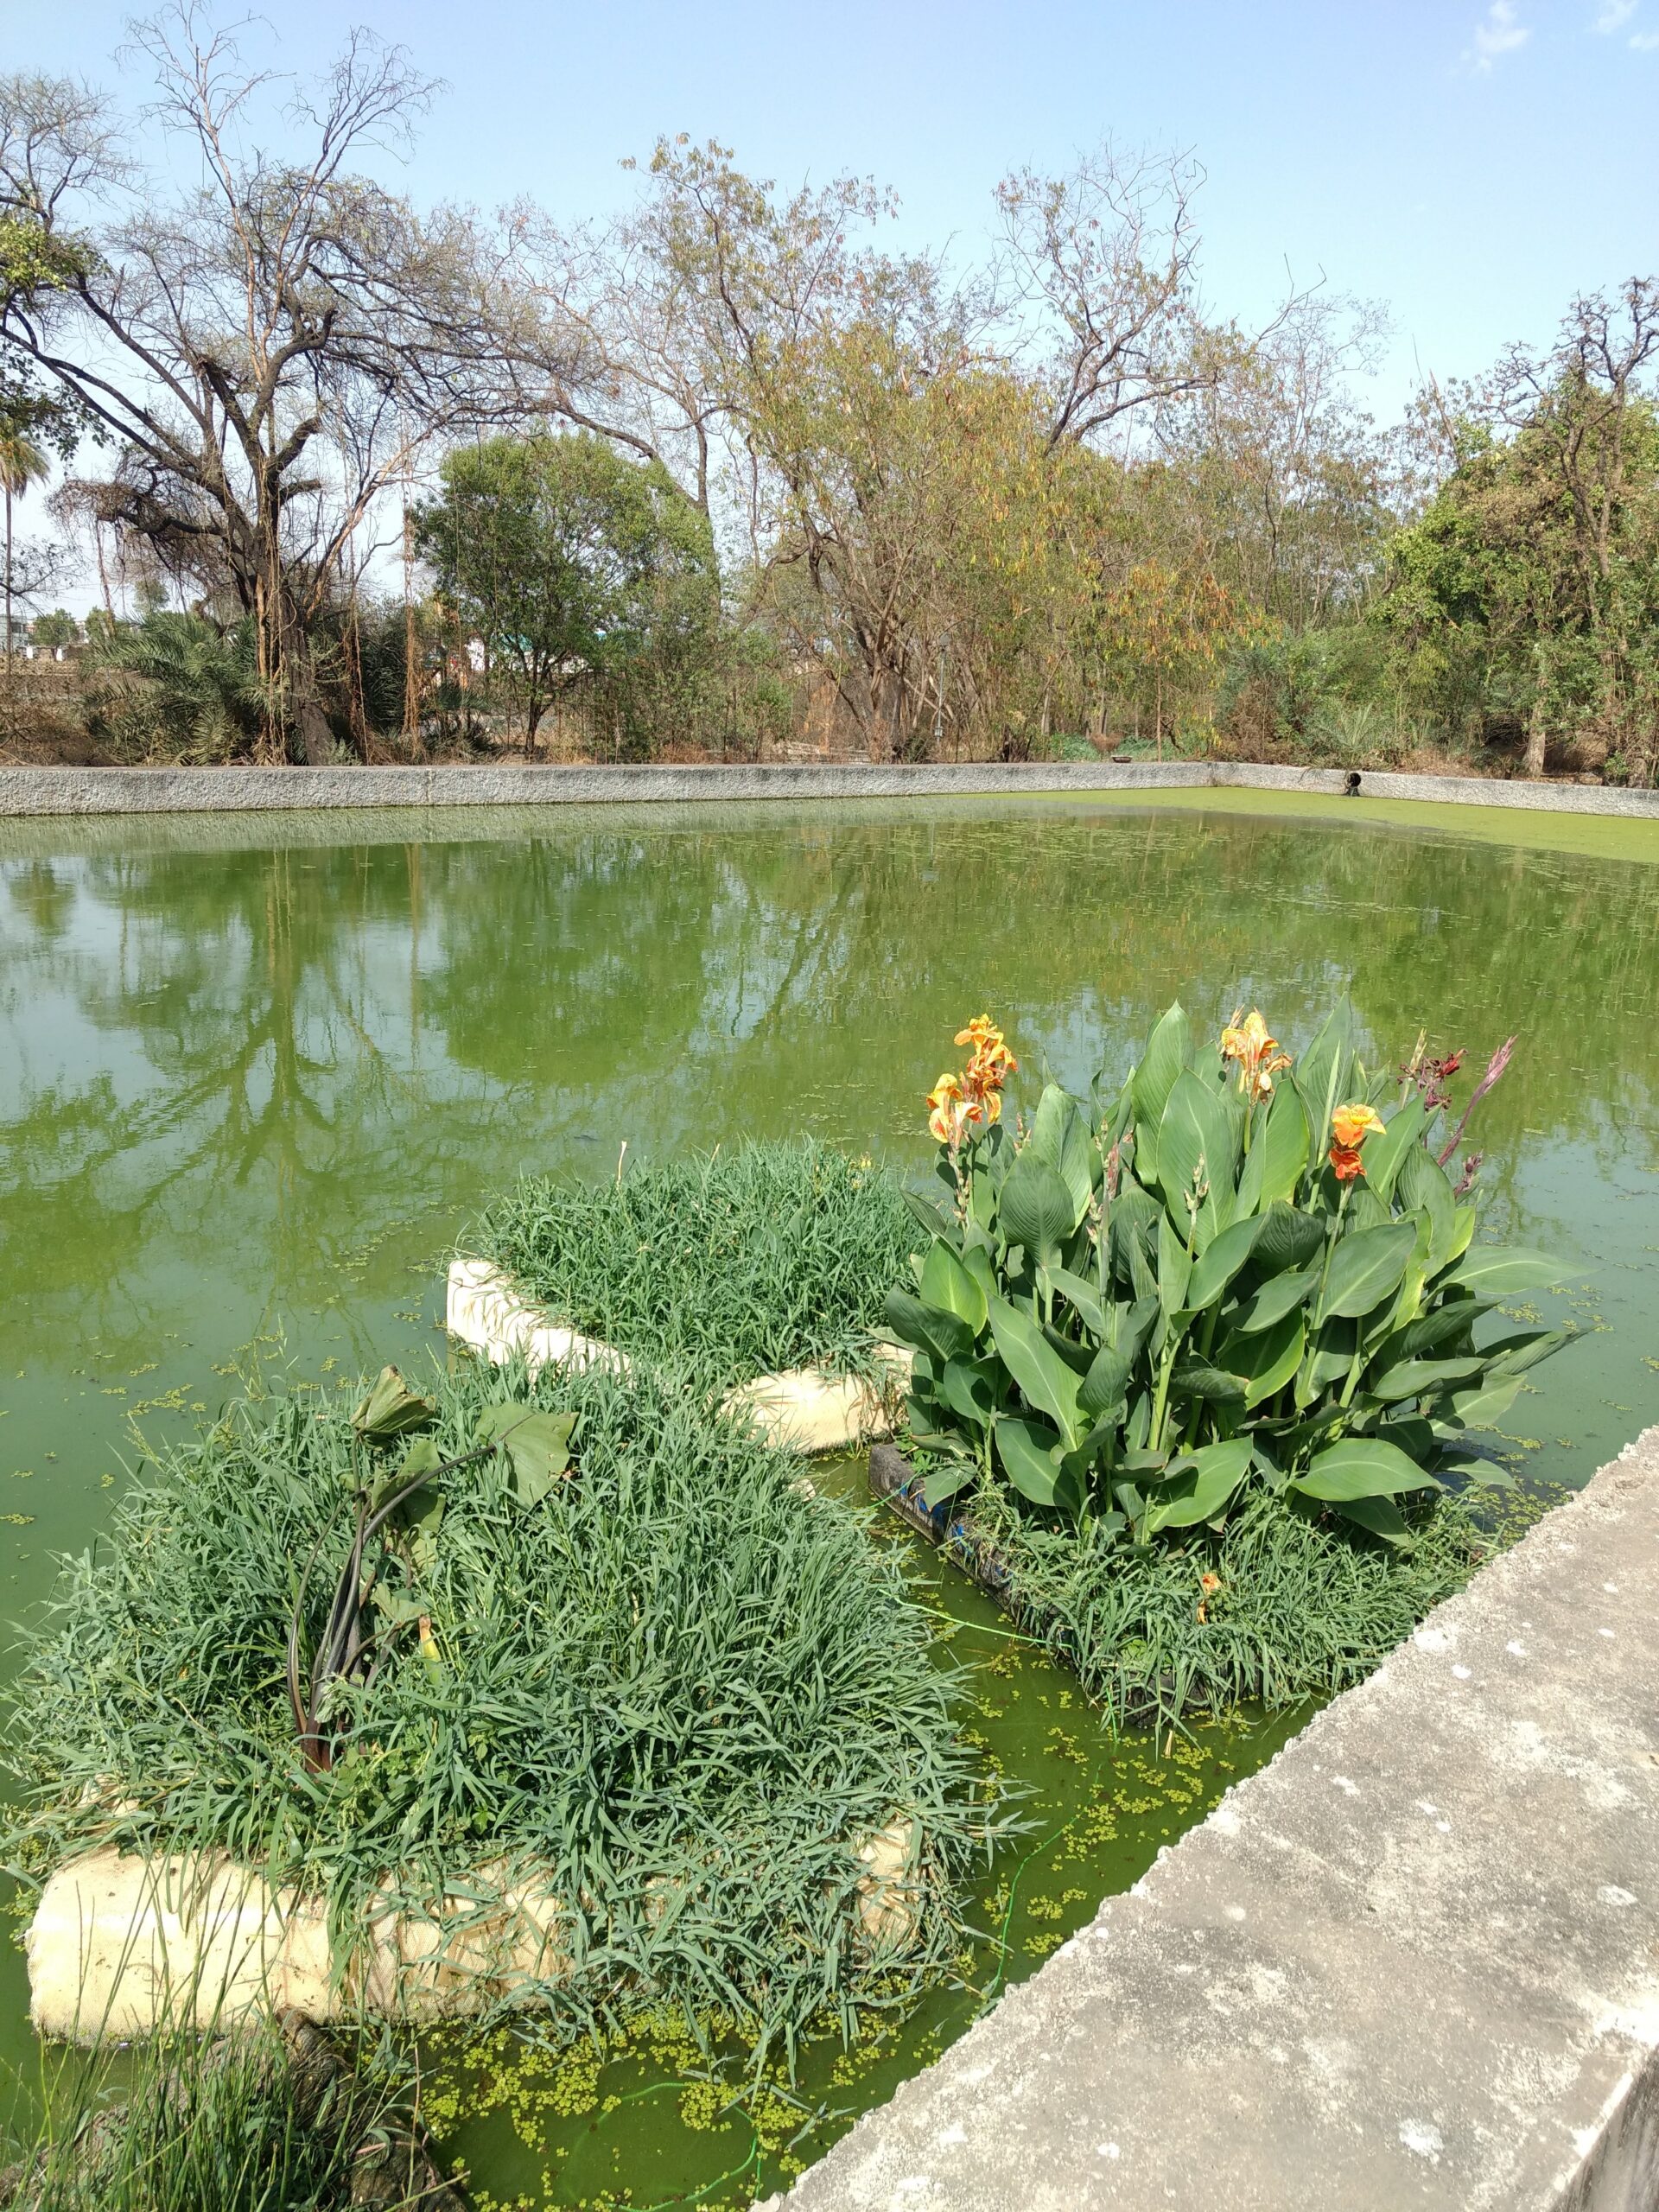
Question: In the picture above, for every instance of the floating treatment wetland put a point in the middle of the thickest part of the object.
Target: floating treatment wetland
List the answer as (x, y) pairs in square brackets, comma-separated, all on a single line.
[(660, 1797)]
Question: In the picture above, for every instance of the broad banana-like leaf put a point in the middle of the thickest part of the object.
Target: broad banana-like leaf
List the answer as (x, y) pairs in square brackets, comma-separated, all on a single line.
[(1422, 1183), (929, 1328), (1287, 1239), (537, 1445), (1419, 1378), (1221, 1261), (1045, 1381), (1030, 1454), (390, 1409), (1203, 1494), (1278, 1295), (1061, 1139), (947, 1282), (1386, 1155), (1196, 1152), (1361, 1466), (1168, 1050), (1034, 1209), (1365, 1268), (1501, 1270)]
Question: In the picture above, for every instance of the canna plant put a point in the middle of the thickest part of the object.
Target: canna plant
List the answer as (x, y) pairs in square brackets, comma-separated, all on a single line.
[(1240, 1271), (395, 1514)]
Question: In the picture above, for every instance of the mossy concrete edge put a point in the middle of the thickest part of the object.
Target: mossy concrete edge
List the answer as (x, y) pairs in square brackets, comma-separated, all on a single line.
[(66, 790), (1413, 1961)]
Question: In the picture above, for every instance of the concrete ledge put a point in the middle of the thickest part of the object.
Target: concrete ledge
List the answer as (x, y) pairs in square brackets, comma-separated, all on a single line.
[(1413, 1962), (192, 791)]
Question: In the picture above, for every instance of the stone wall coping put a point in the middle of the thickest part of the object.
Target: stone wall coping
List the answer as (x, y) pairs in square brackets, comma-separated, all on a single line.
[(69, 790)]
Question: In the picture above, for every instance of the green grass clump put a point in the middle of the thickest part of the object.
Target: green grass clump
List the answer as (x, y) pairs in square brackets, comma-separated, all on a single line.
[(259, 2121), (674, 1679), (1300, 1608), (735, 1263)]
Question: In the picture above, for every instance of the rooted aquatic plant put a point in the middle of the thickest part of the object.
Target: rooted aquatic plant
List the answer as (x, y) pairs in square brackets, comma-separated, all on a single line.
[(1214, 1288)]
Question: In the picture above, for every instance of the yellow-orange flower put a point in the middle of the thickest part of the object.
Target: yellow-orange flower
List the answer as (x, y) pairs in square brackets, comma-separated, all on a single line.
[(1352, 1125), (957, 1103), (1345, 1162), (1256, 1052), (945, 1110)]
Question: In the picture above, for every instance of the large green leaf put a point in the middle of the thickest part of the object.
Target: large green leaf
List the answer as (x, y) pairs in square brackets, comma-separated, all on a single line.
[(1500, 1270), (1287, 1239), (1324, 1070), (1384, 1155), (1060, 1138), (1045, 1381), (1365, 1267), (1202, 1494), (1035, 1209), (1196, 1152), (929, 1328), (1422, 1185), (946, 1480), (1221, 1261), (1107, 1381), (390, 1409), (968, 1387), (1084, 1299), (1488, 1402), (1175, 1267), (1512, 1354), (1417, 1378), (1168, 1050), (1278, 1295), (1265, 1359), (1202, 1379), (1381, 1516), (537, 1445), (1030, 1453), (947, 1282), (1446, 1325), (1361, 1466), (1283, 1141)]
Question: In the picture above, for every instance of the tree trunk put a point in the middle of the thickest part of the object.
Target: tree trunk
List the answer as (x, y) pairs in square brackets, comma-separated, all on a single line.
[(1532, 763), (7, 573)]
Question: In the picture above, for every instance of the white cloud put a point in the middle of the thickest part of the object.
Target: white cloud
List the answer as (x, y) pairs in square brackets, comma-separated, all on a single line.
[(1614, 13), (1500, 34), (1645, 42)]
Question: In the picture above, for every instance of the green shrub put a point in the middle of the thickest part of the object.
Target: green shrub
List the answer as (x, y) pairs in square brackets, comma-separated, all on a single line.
[(739, 1262), (672, 1674)]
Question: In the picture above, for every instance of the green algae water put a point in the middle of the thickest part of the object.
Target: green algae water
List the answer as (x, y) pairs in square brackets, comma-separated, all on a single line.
[(257, 1071)]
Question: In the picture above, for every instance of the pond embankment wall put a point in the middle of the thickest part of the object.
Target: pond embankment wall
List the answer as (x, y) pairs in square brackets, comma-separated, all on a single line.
[(1413, 1962), (196, 791)]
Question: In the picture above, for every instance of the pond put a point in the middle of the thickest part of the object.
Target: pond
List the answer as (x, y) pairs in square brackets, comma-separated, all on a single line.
[(258, 1071)]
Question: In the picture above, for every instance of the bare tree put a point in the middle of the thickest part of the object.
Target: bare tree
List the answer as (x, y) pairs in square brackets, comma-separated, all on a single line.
[(265, 349)]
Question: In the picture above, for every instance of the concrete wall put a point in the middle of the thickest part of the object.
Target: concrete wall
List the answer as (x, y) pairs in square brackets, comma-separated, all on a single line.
[(166, 790), (1413, 1962)]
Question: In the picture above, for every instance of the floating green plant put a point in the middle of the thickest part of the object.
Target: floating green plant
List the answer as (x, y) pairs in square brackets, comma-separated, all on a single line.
[(672, 1687), (739, 1262)]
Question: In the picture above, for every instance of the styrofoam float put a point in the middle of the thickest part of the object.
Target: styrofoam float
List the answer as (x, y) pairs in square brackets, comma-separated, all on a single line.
[(121, 1945), (801, 1407)]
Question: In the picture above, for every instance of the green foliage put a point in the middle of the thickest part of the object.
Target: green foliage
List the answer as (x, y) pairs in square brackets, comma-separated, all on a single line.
[(1213, 1290), (566, 561), (1271, 1608), (671, 1676), (738, 1264), (176, 687), (186, 2123), (58, 628)]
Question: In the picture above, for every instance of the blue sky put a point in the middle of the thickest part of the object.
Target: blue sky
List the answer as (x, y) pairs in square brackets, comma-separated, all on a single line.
[(1470, 162)]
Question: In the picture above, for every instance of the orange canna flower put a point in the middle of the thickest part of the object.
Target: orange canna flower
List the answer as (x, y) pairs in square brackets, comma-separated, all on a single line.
[(1352, 1125), (1256, 1052), (945, 1110), (957, 1103), (1345, 1162)]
